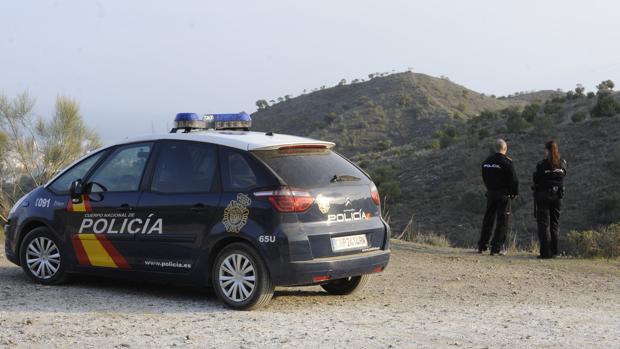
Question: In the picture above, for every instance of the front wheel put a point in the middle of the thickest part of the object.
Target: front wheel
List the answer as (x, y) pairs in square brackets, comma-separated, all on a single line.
[(346, 286), (241, 279), (42, 257)]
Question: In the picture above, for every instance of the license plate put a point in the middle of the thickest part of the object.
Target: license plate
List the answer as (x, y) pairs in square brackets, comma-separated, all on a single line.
[(346, 243)]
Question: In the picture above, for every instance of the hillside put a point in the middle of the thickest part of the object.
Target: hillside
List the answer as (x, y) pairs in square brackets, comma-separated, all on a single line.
[(394, 110), (430, 170)]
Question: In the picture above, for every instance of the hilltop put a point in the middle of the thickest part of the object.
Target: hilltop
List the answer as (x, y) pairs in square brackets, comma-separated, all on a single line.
[(422, 140), (377, 114)]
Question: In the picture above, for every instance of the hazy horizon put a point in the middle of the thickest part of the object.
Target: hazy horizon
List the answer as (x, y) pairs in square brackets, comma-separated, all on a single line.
[(132, 66)]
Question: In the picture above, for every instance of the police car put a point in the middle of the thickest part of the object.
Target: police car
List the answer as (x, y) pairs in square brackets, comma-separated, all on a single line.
[(209, 203)]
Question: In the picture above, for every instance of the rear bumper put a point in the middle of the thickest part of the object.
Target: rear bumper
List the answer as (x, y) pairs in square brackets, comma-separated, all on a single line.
[(304, 272)]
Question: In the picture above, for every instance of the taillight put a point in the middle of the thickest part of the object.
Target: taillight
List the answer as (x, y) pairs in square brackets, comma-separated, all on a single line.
[(287, 199), (374, 194)]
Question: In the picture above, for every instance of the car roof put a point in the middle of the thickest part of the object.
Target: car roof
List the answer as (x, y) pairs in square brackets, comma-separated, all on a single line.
[(244, 140)]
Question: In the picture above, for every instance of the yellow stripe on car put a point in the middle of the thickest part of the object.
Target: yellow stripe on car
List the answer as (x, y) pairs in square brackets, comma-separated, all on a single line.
[(97, 255)]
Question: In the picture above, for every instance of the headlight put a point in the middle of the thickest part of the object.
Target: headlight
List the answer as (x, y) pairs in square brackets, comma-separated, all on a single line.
[(17, 204)]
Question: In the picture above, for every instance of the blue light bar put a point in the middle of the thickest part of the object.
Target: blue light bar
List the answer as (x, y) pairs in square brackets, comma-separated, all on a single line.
[(189, 121), (234, 121)]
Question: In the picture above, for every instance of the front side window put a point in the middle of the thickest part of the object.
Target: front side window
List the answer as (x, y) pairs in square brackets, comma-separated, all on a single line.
[(122, 170), (62, 183), (185, 167)]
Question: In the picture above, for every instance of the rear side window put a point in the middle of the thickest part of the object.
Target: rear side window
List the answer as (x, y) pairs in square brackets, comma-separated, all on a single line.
[(62, 183), (312, 168), (241, 172), (185, 167)]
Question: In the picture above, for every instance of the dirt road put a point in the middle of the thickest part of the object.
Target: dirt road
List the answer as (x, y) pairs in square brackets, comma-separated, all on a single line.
[(427, 298)]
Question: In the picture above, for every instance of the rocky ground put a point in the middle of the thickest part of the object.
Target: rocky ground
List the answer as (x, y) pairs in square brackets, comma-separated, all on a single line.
[(427, 298)]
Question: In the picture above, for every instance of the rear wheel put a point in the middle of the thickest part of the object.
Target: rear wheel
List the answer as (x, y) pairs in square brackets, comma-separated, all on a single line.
[(241, 279), (42, 257), (346, 286)]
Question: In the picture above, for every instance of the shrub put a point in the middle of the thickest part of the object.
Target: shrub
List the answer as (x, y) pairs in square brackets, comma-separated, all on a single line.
[(384, 145), (434, 144), (579, 116), (530, 111), (552, 108), (606, 106), (604, 242), (390, 189), (516, 124)]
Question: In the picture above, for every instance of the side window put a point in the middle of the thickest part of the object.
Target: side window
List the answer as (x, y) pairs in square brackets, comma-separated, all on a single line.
[(185, 167), (62, 183), (122, 170), (241, 172)]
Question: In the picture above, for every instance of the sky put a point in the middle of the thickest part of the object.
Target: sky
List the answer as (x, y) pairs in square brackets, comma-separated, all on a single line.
[(132, 65)]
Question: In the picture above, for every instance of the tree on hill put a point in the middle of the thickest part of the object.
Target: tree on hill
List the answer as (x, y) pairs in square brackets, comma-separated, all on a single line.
[(262, 104), (33, 149), (606, 105)]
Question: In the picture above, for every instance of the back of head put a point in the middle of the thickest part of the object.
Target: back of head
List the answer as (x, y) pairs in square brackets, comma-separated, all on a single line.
[(500, 146), (554, 154)]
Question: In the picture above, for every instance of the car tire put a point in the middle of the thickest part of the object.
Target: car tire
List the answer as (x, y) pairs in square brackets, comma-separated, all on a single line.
[(346, 286), (241, 279), (42, 257)]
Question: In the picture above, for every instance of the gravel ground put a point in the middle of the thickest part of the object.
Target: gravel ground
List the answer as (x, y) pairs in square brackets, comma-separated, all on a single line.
[(427, 298)]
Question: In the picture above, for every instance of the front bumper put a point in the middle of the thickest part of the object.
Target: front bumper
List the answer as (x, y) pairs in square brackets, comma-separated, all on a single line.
[(304, 272), (8, 251)]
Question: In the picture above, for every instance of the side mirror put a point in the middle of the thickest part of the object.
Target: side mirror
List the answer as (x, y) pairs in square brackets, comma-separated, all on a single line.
[(76, 190)]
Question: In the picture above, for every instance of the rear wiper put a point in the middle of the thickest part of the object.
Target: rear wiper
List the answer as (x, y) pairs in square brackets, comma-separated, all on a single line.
[(344, 178)]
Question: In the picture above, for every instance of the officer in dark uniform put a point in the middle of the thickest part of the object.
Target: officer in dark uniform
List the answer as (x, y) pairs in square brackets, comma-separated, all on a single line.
[(548, 193), (502, 185)]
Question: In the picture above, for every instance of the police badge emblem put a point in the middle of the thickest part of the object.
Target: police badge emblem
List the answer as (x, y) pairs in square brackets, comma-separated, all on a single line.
[(236, 213)]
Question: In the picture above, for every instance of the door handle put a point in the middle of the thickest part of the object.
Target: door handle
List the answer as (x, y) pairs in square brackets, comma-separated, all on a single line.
[(198, 208), (124, 208)]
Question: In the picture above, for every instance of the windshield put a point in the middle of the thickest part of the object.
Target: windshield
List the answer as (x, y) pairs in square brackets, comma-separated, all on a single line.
[(312, 168)]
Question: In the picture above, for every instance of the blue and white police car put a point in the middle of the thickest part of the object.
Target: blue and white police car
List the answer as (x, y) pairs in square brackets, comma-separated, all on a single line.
[(209, 203)]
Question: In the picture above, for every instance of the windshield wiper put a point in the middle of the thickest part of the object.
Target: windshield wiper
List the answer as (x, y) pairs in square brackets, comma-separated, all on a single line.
[(344, 178)]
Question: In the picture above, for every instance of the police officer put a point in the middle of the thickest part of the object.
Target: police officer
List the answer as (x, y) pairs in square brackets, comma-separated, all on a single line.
[(548, 194), (502, 184)]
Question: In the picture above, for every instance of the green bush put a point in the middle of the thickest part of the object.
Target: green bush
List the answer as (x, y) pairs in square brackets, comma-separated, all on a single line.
[(606, 106), (530, 111), (384, 145), (434, 144), (390, 189), (517, 123), (604, 242), (579, 116), (552, 108)]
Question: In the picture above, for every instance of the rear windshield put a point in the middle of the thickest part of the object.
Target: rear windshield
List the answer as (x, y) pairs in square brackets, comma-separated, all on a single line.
[(312, 168)]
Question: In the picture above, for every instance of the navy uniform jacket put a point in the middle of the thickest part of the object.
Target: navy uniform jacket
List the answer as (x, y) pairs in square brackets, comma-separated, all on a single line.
[(546, 177), (499, 175)]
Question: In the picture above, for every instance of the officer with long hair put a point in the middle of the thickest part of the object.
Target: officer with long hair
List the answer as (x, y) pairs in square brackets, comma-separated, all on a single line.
[(548, 194)]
